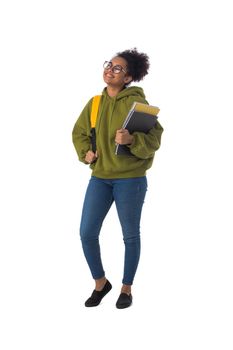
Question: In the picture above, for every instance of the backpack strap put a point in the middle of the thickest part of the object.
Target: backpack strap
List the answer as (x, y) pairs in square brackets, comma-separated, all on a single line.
[(94, 113), (94, 110)]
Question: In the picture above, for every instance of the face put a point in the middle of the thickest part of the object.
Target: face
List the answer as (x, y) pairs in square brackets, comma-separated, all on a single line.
[(117, 80)]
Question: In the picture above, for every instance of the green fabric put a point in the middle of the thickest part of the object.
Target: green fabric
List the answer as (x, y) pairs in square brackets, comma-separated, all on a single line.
[(111, 115)]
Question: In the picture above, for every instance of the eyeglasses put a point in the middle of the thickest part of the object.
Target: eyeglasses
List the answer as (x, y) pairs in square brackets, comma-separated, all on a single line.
[(115, 69)]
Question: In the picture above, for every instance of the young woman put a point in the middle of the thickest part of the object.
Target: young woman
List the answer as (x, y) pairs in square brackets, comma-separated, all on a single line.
[(115, 178)]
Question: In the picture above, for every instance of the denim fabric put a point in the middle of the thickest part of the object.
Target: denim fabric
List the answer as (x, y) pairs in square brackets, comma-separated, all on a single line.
[(128, 195)]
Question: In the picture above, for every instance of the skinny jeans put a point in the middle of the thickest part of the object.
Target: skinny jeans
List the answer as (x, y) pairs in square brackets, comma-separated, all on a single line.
[(128, 195)]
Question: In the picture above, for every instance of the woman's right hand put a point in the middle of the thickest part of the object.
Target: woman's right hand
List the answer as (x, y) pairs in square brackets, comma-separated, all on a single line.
[(91, 157)]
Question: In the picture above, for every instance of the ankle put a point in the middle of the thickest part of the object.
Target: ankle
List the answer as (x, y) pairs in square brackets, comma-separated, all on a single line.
[(126, 289), (100, 283)]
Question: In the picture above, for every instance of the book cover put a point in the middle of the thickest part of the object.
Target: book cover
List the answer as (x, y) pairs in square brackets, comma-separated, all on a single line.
[(141, 118)]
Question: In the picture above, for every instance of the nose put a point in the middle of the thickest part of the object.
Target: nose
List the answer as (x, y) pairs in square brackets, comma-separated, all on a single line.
[(109, 69)]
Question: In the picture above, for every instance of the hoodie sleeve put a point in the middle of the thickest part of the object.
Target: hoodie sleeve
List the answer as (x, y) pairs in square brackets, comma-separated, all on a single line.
[(81, 133), (145, 145)]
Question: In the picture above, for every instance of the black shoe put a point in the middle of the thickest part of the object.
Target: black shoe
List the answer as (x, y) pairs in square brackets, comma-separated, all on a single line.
[(124, 301), (97, 296)]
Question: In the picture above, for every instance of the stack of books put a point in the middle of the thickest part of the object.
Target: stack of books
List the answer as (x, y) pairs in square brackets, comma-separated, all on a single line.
[(142, 118)]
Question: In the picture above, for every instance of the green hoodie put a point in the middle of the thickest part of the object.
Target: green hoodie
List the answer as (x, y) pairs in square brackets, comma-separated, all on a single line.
[(111, 115)]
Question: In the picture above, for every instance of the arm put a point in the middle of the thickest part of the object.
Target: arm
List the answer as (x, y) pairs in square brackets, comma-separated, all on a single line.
[(143, 145), (81, 133)]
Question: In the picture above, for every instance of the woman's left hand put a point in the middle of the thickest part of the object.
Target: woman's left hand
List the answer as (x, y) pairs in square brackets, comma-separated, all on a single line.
[(123, 137)]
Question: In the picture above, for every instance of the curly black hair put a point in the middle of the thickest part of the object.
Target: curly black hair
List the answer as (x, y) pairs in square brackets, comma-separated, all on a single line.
[(137, 63)]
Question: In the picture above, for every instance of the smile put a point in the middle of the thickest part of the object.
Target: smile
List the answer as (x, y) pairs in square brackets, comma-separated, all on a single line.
[(109, 74)]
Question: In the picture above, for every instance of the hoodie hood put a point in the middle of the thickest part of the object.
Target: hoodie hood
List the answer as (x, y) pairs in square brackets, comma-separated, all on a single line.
[(133, 91)]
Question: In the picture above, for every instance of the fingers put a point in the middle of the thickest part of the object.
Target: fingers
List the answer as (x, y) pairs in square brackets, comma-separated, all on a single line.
[(123, 137), (122, 131), (91, 157), (119, 136)]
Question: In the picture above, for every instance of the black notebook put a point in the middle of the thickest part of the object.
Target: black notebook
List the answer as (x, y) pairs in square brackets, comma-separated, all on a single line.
[(141, 117)]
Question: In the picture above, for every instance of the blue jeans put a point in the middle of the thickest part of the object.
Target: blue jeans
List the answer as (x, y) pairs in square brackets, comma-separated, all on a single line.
[(128, 195)]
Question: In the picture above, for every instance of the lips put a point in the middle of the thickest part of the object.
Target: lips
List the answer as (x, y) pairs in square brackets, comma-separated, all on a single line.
[(109, 76)]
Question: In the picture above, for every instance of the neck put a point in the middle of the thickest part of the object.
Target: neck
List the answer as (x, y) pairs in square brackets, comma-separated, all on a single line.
[(113, 91)]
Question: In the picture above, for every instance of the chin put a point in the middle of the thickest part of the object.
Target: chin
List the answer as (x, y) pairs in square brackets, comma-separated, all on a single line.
[(106, 78), (108, 82)]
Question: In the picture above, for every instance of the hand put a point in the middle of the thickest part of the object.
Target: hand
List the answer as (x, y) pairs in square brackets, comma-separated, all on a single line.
[(123, 137), (91, 157)]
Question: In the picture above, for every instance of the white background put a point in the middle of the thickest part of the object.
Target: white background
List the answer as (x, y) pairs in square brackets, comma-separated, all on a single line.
[(51, 64)]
